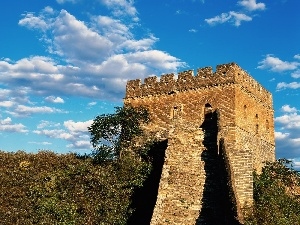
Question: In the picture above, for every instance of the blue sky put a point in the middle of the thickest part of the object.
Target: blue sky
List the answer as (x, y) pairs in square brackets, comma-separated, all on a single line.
[(62, 62)]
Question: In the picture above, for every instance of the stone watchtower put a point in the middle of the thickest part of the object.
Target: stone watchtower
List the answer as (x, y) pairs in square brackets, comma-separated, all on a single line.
[(219, 127)]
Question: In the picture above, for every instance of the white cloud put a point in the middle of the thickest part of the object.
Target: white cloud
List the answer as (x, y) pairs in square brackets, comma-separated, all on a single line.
[(232, 17), (139, 45), (76, 127), (295, 142), (154, 58), (121, 37), (6, 104), (296, 74), (91, 58), (80, 145), (4, 93), (75, 133), (36, 109), (251, 5), (33, 22), (284, 85), (287, 147), (6, 121), (92, 103), (75, 41), (224, 17), (193, 30), (45, 123), (297, 56), (288, 109), (10, 98), (277, 65), (32, 68), (6, 125), (97, 57), (287, 133), (6, 59), (236, 18), (122, 8), (239, 17), (40, 143), (48, 10), (289, 121), (112, 27), (56, 133), (296, 163), (24, 111), (281, 136), (54, 99)]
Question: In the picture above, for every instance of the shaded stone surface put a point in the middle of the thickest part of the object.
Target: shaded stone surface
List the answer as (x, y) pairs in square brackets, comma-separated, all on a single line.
[(144, 198)]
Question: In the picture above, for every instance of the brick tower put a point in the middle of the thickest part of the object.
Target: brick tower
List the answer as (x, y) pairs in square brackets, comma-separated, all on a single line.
[(219, 127)]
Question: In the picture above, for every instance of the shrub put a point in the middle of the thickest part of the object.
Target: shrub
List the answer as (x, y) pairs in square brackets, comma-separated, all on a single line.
[(276, 195)]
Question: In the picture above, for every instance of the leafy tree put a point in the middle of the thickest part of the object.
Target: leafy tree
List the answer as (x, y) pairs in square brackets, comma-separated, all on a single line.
[(110, 133), (119, 140), (276, 195)]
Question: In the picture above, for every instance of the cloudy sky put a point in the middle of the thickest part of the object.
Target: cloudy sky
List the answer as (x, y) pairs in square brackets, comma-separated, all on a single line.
[(62, 62)]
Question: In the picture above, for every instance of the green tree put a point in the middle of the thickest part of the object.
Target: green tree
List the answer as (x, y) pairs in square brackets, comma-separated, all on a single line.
[(276, 195), (119, 141), (110, 133)]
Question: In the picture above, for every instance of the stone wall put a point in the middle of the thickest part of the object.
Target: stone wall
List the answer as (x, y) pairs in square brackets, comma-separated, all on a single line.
[(194, 113)]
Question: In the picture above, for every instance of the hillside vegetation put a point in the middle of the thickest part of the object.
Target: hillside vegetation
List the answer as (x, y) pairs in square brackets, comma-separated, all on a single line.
[(48, 188), (276, 195)]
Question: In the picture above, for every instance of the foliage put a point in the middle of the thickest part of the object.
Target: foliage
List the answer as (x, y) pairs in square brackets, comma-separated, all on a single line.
[(62, 189), (47, 188), (110, 133), (276, 195)]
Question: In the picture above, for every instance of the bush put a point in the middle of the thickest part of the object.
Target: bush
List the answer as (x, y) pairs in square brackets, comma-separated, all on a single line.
[(276, 195)]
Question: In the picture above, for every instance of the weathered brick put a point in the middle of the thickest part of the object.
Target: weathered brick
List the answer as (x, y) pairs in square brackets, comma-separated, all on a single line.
[(180, 111)]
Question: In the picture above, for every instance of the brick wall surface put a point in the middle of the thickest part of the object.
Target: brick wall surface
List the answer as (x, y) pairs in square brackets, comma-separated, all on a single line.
[(183, 111)]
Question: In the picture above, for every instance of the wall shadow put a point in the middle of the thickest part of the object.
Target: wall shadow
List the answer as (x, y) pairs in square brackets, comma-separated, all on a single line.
[(144, 198), (228, 198), (217, 199)]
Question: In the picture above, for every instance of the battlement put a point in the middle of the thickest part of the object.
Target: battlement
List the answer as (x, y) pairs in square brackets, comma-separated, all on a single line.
[(225, 74)]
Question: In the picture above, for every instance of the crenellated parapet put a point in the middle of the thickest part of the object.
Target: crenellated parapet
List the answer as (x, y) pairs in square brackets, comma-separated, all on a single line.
[(186, 80), (229, 73)]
